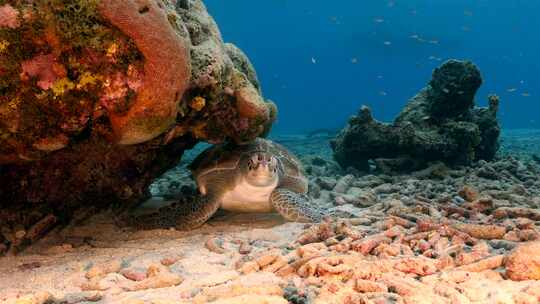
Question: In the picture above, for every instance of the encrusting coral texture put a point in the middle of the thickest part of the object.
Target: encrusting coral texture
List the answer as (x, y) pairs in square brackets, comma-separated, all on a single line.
[(98, 98), (440, 123)]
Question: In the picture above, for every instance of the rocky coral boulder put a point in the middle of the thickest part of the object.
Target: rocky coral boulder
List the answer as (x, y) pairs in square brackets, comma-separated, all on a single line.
[(523, 263), (98, 98), (440, 123)]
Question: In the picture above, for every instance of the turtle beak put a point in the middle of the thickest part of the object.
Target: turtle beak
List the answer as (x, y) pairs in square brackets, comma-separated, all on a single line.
[(261, 166), (261, 163), (262, 169)]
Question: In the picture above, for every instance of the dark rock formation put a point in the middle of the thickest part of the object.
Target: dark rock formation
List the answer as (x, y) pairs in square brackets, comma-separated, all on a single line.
[(440, 123), (98, 98)]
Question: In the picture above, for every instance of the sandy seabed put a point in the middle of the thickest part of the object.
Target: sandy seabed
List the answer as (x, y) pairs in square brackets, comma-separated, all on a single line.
[(436, 236)]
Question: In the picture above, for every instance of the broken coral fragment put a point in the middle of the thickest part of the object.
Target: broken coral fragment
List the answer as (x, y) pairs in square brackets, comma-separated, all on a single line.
[(523, 263)]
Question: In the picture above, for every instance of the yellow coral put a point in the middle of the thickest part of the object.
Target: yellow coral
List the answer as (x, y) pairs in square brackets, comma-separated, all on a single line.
[(61, 86), (3, 45), (112, 49), (198, 103), (87, 79)]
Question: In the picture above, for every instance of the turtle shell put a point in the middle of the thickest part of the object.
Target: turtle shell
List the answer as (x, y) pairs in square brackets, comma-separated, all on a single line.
[(228, 156)]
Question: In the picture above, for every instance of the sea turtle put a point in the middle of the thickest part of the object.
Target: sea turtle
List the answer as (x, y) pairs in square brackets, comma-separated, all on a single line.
[(261, 176)]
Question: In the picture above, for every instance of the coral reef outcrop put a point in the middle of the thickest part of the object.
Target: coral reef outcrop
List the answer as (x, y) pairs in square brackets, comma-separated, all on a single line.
[(99, 97), (440, 123)]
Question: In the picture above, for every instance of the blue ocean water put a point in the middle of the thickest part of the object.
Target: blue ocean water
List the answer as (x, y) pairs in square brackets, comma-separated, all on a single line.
[(320, 60)]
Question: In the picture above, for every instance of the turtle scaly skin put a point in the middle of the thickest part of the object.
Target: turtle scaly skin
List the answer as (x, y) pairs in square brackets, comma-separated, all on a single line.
[(258, 177)]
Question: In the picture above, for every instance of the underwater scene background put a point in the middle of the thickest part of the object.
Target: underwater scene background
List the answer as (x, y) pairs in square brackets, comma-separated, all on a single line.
[(143, 159), (320, 60)]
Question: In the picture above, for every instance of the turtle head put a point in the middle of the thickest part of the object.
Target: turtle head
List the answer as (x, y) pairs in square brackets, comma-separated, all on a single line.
[(261, 169)]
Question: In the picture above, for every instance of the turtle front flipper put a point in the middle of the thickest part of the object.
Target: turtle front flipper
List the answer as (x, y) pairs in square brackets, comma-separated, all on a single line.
[(184, 215), (296, 207)]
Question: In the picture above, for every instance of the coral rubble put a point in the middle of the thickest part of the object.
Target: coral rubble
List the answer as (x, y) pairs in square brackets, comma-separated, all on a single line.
[(440, 123), (97, 98), (438, 235)]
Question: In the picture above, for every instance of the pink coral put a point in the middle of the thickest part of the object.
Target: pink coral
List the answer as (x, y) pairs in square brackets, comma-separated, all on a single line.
[(116, 88), (41, 66), (9, 16)]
